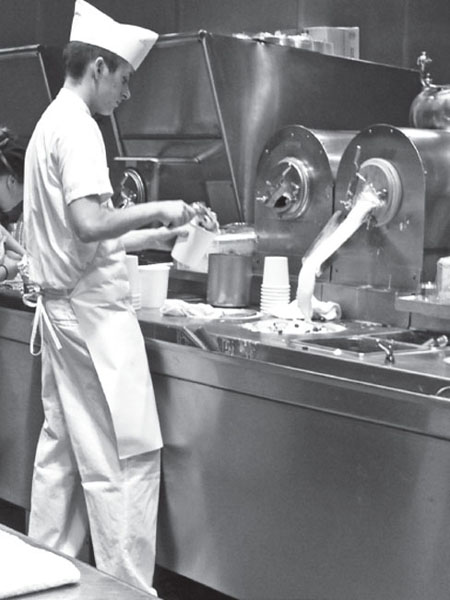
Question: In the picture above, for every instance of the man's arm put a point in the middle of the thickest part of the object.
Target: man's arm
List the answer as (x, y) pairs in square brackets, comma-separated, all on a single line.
[(93, 221), (161, 238), (10, 242)]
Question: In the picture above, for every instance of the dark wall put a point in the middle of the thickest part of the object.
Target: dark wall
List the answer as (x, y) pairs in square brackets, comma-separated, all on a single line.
[(391, 31)]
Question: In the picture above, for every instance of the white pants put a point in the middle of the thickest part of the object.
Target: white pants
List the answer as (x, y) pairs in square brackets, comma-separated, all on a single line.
[(79, 483)]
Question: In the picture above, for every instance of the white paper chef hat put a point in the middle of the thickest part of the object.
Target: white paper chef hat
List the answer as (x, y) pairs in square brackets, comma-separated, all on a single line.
[(91, 26)]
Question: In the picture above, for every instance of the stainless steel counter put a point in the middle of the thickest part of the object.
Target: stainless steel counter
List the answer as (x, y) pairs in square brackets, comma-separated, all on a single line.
[(293, 471), (299, 472), (294, 484)]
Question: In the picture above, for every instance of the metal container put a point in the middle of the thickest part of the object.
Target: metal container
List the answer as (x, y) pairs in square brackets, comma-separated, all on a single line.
[(431, 108), (235, 238), (229, 280), (443, 279)]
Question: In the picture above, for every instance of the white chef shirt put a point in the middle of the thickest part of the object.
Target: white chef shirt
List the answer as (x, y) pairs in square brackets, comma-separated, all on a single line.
[(65, 161)]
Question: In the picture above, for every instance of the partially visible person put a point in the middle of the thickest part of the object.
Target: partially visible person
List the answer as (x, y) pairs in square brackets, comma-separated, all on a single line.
[(12, 160), (10, 255), (97, 465)]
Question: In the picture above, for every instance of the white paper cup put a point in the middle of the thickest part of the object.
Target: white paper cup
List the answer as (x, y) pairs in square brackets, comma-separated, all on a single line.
[(154, 284), (191, 249), (276, 271), (133, 274)]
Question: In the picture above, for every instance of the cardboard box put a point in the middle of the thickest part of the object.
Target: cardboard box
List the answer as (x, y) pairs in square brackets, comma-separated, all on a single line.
[(345, 40)]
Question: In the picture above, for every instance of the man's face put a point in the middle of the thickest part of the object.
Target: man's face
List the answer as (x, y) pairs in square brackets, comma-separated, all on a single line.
[(112, 87)]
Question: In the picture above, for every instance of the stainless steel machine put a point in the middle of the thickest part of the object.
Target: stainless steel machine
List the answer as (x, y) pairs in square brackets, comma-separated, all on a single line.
[(204, 107), (304, 177)]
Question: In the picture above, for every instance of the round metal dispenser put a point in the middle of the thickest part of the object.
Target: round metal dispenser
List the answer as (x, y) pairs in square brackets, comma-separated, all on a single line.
[(294, 189), (402, 239), (384, 179), (288, 184)]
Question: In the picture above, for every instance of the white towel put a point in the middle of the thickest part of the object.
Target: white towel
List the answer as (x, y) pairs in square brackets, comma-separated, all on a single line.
[(326, 311), (179, 308), (25, 568)]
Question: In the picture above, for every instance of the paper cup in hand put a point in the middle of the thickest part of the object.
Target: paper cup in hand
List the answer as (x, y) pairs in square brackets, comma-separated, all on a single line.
[(154, 284), (190, 249)]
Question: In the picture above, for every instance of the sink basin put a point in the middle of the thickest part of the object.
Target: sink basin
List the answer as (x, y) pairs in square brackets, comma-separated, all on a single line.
[(362, 344), (409, 336)]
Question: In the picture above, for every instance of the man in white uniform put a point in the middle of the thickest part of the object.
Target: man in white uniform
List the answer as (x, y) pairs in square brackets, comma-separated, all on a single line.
[(97, 465)]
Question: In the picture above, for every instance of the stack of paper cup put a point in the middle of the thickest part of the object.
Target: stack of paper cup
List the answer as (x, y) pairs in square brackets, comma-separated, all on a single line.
[(135, 282), (275, 288)]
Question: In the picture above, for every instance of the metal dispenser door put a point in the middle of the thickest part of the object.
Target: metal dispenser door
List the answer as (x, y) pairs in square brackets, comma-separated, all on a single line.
[(409, 169), (294, 190), (387, 252)]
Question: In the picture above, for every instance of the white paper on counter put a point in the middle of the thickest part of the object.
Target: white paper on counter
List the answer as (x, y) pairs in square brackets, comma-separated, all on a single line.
[(25, 568)]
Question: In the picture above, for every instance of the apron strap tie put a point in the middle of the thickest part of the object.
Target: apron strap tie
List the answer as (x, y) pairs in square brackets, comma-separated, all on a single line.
[(34, 300)]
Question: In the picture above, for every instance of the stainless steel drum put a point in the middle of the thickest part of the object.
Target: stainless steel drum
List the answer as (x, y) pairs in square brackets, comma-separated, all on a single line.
[(399, 246), (294, 189)]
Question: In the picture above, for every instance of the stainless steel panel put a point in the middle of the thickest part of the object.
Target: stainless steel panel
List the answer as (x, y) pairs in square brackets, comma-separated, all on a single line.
[(258, 369), (364, 302), (20, 407), (281, 500), (22, 70), (172, 96), (173, 121)]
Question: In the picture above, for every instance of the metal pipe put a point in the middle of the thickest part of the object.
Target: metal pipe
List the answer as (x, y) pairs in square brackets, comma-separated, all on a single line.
[(222, 125)]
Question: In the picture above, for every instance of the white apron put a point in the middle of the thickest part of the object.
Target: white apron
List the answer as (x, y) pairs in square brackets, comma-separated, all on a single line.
[(80, 443), (114, 339)]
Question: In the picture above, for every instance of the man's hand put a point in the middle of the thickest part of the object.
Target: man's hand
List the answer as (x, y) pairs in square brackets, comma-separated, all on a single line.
[(11, 262), (175, 213)]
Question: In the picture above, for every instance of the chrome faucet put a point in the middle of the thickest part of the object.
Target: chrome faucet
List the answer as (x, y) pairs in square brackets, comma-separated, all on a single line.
[(388, 349)]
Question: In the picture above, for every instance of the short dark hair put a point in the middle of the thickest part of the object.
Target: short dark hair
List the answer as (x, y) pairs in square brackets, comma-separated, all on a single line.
[(12, 154), (78, 55)]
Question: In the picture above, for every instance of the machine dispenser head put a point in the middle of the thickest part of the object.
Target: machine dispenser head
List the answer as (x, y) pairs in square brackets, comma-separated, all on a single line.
[(294, 189), (384, 181), (406, 234)]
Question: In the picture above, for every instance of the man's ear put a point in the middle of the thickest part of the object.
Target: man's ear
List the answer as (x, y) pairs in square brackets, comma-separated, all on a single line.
[(99, 66)]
